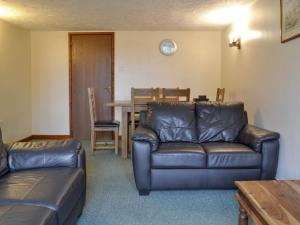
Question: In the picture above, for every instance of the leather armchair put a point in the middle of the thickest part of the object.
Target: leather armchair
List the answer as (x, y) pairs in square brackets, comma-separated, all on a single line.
[(202, 145)]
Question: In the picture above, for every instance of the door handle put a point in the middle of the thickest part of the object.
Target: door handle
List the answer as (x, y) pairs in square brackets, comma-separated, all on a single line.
[(108, 89)]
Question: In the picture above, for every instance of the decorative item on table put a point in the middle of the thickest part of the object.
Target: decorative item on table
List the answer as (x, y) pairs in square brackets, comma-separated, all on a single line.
[(201, 98)]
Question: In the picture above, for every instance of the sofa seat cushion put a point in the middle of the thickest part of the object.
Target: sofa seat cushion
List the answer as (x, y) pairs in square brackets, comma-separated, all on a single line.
[(54, 188), (179, 155), (26, 215), (231, 155)]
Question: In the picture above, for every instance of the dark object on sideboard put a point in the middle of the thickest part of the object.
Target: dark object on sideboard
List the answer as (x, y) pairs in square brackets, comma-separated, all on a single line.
[(201, 98), (200, 145), (45, 183)]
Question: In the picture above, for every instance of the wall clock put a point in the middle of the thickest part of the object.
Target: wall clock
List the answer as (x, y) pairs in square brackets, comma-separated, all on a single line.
[(167, 47)]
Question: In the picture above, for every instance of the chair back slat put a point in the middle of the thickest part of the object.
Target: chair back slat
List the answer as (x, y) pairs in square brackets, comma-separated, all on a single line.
[(92, 105), (101, 127), (220, 95), (175, 94), (141, 96)]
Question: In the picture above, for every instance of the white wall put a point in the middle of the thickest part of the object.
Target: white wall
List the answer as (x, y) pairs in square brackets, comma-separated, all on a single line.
[(265, 75), (50, 87), (15, 98), (196, 64), (138, 63)]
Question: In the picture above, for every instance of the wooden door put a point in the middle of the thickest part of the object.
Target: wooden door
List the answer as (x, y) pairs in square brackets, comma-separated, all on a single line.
[(91, 65)]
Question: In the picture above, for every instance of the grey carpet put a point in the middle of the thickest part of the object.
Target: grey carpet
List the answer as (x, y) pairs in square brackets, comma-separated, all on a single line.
[(112, 199)]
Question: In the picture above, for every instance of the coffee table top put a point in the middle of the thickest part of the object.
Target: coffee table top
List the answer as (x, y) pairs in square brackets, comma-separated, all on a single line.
[(277, 202)]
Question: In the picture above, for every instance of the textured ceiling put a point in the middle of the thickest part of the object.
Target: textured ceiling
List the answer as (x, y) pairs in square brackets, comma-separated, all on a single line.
[(115, 14)]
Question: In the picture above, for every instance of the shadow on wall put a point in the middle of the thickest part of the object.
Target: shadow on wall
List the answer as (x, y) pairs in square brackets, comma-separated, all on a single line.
[(232, 96), (258, 120)]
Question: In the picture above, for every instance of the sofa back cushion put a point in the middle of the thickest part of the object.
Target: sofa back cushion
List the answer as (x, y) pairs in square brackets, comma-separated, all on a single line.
[(173, 121), (219, 121)]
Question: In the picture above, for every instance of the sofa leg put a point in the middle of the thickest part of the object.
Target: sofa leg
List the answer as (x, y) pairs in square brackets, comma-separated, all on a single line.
[(144, 192)]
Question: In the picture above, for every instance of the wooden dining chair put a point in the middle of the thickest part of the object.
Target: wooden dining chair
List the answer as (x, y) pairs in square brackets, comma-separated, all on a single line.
[(139, 97), (220, 95), (101, 126), (175, 94)]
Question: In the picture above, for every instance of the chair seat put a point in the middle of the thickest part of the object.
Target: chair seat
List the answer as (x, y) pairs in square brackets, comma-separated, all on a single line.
[(107, 123), (179, 156), (231, 155)]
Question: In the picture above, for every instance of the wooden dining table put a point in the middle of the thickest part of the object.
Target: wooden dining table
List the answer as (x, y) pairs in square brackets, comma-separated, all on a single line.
[(125, 105)]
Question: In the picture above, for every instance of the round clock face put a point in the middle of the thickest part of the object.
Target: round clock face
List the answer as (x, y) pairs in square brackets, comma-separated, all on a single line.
[(167, 47)]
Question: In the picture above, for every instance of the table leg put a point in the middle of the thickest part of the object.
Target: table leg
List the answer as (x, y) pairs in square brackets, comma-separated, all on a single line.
[(243, 217), (124, 132)]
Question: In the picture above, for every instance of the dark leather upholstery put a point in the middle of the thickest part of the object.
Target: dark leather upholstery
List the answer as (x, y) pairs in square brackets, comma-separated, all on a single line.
[(48, 194), (254, 136), (3, 156), (178, 156), (143, 118), (1, 140), (231, 155), (3, 161), (145, 134), (1, 143), (56, 188), (81, 163), (232, 150), (107, 123), (26, 215), (219, 121), (179, 179), (172, 121), (29, 155), (141, 157), (270, 153), (76, 212)]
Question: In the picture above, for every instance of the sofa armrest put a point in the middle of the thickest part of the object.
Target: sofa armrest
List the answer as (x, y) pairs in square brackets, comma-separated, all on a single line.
[(81, 159), (145, 134), (267, 143), (46, 154), (253, 137), (141, 161)]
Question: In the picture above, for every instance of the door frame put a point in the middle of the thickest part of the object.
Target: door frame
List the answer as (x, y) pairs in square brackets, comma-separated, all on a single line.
[(70, 35)]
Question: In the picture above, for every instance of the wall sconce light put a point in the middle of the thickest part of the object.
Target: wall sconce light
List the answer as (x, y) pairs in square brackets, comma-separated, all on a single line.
[(235, 41)]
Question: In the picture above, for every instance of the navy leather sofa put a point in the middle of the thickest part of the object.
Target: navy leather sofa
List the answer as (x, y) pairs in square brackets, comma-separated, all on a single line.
[(200, 145)]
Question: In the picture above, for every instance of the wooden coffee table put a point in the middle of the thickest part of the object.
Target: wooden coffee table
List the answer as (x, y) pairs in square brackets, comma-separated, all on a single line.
[(269, 202)]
